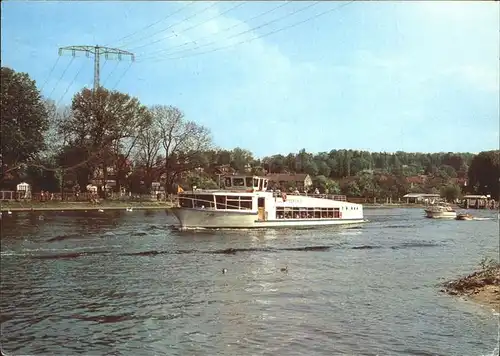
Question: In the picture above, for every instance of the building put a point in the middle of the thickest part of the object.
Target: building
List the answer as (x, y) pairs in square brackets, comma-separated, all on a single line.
[(475, 201), (421, 198), (301, 181)]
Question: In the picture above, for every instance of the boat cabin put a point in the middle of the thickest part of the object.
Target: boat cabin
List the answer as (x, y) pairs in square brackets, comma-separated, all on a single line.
[(245, 183)]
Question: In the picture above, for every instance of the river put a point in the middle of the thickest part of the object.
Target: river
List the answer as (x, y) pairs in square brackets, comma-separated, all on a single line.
[(125, 283)]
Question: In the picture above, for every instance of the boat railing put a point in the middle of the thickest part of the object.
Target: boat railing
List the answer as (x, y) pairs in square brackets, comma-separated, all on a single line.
[(196, 202), (312, 195)]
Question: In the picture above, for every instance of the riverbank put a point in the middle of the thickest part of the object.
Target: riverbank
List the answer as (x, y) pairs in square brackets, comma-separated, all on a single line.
[(75, 206), (482, 286)]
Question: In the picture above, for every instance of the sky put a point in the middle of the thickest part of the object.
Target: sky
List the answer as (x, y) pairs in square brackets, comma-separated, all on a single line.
[(276, 77)]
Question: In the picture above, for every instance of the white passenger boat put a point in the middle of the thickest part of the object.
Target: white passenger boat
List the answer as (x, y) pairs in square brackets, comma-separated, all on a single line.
[(440, 212), (245, 203)]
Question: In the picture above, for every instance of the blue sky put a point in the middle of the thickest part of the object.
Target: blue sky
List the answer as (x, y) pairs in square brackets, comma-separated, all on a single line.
[(379, 76)]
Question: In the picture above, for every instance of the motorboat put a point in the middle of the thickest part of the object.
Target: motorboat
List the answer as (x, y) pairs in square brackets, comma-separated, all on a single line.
[(464, 216), (440, 212)]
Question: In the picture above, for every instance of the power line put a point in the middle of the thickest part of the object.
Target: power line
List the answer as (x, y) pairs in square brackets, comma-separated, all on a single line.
[(50, 73), (204, 22), (201, 23), (262, 36), (168, 50), (121, 77), (62, 75), (70, 84), (110, 73), (254, 28), (154, 23), (169, 27)]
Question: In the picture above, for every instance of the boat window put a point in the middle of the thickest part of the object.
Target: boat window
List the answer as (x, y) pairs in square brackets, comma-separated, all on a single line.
[(238, 182), (246, 205), (255, 182), (307, 213), (227, 181), (265, 184), (203, 201), (249, 182), (260, 184), (221, 201), (233, 202), (185, 202)]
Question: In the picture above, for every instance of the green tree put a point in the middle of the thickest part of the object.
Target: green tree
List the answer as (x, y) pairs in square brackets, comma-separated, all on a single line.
[(352, 189), (240, 158), (104, 125), (484, 173), (326, 185), (449, 171), (24, 121), (451, 192)]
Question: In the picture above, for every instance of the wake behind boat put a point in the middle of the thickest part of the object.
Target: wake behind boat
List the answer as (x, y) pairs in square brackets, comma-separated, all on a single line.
[(245, 203)]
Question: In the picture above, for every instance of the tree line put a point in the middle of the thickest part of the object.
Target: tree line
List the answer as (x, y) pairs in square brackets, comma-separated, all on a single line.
[(108, 135)]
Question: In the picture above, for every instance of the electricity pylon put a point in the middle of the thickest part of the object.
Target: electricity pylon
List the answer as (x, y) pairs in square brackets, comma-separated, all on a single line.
[(97, 51)]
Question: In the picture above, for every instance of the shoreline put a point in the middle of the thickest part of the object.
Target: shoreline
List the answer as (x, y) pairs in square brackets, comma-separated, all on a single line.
[(481, 287), (82, 206)]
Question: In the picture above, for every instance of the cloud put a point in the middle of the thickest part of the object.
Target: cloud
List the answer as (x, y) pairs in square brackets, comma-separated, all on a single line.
[(482, 78)]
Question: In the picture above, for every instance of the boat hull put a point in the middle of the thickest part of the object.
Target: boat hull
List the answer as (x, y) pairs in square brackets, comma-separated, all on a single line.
[(440, 214), (192, 218)]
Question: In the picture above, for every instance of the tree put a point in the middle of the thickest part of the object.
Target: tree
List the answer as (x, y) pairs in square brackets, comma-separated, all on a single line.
[(182, 142), (148, 151), (451, 192), (24, 121), (447, 172), (352, 189), (484, 173), (326, 185), (240, 158), (103, 123)]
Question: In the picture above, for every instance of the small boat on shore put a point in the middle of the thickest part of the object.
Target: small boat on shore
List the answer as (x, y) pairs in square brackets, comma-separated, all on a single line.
[(440, 212), (464, 216), (246, 203)]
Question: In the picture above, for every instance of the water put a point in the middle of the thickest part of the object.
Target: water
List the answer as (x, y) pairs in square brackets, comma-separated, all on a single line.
[(126, 283)]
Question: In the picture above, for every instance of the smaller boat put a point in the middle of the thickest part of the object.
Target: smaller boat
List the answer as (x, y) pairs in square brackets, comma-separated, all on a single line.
[(440, 212), (464, 216)]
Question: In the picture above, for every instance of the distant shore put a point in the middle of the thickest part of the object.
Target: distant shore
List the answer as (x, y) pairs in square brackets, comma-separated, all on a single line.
[(393, 205), (482, 287), (77, 206)]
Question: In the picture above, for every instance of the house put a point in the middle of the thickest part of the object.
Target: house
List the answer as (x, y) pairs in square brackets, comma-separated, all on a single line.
[(301, 181), (419, 198), (225, 169), (475, 201)]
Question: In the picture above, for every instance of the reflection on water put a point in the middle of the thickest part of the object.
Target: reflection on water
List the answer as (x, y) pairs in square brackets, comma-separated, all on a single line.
[(126, 283)]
